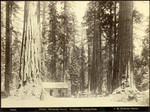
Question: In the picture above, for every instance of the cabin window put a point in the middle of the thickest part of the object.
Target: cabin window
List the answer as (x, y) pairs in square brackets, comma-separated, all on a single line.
[(51, 92), (59, 92)]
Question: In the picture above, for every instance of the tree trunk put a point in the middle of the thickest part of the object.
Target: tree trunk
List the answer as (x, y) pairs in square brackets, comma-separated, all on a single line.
[(89, 62), (115, 52), (125, 45), (43, 67), (8, 63), (94, 63), (65, 54), (100, 78), (54, 41), (109, 75), (30, 62), (82, 75)]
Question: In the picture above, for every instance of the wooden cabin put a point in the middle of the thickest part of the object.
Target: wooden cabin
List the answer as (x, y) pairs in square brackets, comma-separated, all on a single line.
[(57, 89)]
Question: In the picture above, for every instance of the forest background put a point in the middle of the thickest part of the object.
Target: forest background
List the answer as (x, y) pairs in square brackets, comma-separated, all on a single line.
[(82, 46)]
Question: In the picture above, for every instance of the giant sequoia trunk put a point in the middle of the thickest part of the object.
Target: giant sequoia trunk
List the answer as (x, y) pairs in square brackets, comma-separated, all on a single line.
[(65, 55), (115, 51), (125, 45), (8, 64), (89, 62), (82, 70), (109, 75), (99, 50), (53, 27), (30, 62), (100, 77), (43, 66), (64, 47), (94, 57)]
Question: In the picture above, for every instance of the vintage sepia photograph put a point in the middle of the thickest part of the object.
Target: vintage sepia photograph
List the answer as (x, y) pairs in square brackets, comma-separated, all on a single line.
[(74, 54)]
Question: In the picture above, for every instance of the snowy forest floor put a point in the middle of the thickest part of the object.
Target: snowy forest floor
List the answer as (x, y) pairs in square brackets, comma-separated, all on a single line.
[(103, 101)]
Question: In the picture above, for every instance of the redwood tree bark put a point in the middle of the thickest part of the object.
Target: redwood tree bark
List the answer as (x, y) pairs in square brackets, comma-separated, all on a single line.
[(125, 44), (30, 62), (109, 75), (43, 67), (94, 57), (8, 61), (115, 51)]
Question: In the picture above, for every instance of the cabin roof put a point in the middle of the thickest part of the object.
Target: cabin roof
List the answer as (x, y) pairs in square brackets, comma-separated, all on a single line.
[(54, 85)]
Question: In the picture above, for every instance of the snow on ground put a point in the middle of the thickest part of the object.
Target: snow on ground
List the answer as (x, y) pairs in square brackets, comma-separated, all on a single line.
[(107, 101)]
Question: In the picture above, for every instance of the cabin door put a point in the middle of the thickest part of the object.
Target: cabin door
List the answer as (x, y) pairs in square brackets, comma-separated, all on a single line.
[(51, 92)]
